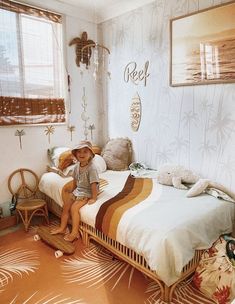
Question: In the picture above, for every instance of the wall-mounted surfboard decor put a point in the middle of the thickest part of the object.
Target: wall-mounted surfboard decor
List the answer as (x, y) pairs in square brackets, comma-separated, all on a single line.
[(135, 112)]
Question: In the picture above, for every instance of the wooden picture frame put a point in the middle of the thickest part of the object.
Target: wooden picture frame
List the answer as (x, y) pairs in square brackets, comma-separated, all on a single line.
[(202, 46)]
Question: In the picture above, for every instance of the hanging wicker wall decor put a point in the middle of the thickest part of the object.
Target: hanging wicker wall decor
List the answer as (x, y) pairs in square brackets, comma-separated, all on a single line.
[(83, 57), (135, 110)]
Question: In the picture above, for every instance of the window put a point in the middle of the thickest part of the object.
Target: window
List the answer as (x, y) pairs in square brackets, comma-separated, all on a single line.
[(31, 65)]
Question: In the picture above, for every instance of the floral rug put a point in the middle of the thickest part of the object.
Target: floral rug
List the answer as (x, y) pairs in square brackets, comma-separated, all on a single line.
[(30, 274)]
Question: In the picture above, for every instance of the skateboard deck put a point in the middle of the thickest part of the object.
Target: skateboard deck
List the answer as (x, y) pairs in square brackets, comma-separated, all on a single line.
[(55, 240)]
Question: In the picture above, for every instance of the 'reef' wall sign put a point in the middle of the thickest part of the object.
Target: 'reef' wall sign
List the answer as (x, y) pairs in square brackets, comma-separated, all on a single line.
[(136, 76)]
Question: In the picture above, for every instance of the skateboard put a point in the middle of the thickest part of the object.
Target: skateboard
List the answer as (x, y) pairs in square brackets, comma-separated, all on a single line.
[(55, 240)]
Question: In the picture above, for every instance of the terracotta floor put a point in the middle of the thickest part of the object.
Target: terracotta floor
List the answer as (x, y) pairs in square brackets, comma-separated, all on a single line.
[(30, 273)]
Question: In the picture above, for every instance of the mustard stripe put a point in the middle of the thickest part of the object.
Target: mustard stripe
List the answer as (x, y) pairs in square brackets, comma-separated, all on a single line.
[(131, 194), (146, 191), (126, 189)]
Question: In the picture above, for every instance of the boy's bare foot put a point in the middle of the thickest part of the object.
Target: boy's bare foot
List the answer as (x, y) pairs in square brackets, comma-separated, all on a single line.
[(58, 230), (70, 237)]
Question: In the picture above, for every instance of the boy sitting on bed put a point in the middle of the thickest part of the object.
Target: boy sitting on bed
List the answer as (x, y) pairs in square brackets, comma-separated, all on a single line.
[(85, 189)]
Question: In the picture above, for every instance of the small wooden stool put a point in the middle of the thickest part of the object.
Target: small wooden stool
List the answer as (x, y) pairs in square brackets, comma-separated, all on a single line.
[(27, 209), (28, 204)]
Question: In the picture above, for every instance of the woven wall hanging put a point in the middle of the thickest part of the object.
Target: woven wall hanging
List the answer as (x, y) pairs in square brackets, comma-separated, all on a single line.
[(83, 57)]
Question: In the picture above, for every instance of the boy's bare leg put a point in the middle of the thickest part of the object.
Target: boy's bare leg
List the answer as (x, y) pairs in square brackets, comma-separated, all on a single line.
[(68, 199), (75, 219)]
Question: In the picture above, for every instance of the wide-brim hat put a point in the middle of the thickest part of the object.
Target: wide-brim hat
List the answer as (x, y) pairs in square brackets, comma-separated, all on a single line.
[(83, 144)]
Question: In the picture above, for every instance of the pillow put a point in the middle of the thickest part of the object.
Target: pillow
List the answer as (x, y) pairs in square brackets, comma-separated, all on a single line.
[(99, 163), (198, 188), (66, 173), (66, 159), (117, 154), (54, 154)]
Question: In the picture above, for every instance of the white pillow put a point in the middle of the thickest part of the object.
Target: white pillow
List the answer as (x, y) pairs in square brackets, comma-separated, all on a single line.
[(99, 163), (198, 188), (54, 154)]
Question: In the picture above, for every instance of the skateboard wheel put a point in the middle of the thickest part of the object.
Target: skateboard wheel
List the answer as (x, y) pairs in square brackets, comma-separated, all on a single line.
[(36, 237), (58, 254)]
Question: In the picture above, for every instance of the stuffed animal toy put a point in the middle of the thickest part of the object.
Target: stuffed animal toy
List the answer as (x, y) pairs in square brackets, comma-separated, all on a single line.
[(172, 175), (204, 185)]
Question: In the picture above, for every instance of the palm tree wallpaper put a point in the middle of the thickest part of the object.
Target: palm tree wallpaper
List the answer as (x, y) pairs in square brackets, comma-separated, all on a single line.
[(191, 125)]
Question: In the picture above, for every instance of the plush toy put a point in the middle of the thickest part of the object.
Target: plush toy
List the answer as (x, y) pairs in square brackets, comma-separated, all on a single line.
[(207, 185), (172, 175)]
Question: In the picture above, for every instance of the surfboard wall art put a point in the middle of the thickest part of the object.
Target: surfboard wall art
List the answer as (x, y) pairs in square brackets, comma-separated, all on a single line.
[(135, 112)]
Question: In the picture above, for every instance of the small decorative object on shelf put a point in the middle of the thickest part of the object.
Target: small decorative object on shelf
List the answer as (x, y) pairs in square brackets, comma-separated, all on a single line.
[(49, 130), (20, 133)]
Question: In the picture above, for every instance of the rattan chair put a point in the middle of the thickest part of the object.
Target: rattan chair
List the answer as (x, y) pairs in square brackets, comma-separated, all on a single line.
[(28, 204)]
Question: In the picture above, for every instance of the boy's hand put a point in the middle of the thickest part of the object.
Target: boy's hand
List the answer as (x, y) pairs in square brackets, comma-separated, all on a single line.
[(91, 201)]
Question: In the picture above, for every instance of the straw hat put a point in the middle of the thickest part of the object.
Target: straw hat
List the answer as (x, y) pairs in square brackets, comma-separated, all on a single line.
[(83, 144)]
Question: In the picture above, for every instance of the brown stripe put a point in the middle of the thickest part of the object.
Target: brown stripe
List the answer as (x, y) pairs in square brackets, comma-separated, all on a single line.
[(108, 217), (126, 189), (144, 192)]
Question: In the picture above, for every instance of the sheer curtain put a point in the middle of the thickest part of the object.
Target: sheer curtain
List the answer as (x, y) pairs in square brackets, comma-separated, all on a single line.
[(31, 65)]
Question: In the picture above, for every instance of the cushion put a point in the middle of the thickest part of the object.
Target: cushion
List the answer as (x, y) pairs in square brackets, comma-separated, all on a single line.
[(117, 154), (198, 188), (54, 154), (66, 159), (100, 163), (65, 173), (215, 274)]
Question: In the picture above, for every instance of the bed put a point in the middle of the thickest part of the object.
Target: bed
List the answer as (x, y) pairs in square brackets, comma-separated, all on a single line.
[(155, 228)]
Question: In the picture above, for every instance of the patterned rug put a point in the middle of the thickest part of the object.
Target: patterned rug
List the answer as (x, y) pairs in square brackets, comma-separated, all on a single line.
[(30, 273)]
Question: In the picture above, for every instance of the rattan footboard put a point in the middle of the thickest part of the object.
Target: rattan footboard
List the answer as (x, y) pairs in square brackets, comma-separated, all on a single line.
[(128, 255)]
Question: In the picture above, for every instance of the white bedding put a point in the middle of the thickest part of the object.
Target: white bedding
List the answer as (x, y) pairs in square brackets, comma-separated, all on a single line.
[(166, 228)]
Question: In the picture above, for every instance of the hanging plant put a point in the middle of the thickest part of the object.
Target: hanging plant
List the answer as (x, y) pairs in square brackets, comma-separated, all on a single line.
[(20, 133), (49, 130), (71, 129)]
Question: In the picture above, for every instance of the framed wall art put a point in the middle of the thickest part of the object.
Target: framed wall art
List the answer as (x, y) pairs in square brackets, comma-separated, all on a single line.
[(202, 47)]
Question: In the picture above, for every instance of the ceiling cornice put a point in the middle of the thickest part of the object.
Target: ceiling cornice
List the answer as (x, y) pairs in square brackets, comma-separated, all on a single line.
[(119, 8), (102, 14)]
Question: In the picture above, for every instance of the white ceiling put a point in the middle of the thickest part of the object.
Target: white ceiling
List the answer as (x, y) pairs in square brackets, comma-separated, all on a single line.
[(106, 9)]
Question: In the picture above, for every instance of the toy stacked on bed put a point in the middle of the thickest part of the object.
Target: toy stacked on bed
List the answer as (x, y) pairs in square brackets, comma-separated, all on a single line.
[(116, 155), (62, 161)]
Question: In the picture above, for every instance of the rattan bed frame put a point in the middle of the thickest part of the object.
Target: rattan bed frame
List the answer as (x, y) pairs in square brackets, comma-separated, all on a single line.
[(127, 254)]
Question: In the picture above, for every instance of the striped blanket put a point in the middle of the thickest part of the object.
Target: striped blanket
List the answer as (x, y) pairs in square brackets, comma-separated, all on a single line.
[(156, 221), (134, 191)]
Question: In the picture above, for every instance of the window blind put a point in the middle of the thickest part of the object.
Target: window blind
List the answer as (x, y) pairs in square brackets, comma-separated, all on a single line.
[(31, 65)]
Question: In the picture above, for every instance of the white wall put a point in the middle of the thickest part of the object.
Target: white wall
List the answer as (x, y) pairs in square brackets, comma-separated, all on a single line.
[(35, 143), (189, 125)]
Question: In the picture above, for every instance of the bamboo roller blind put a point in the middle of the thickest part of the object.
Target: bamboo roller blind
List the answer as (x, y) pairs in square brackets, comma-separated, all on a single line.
[(16, 110), (23, 110)]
